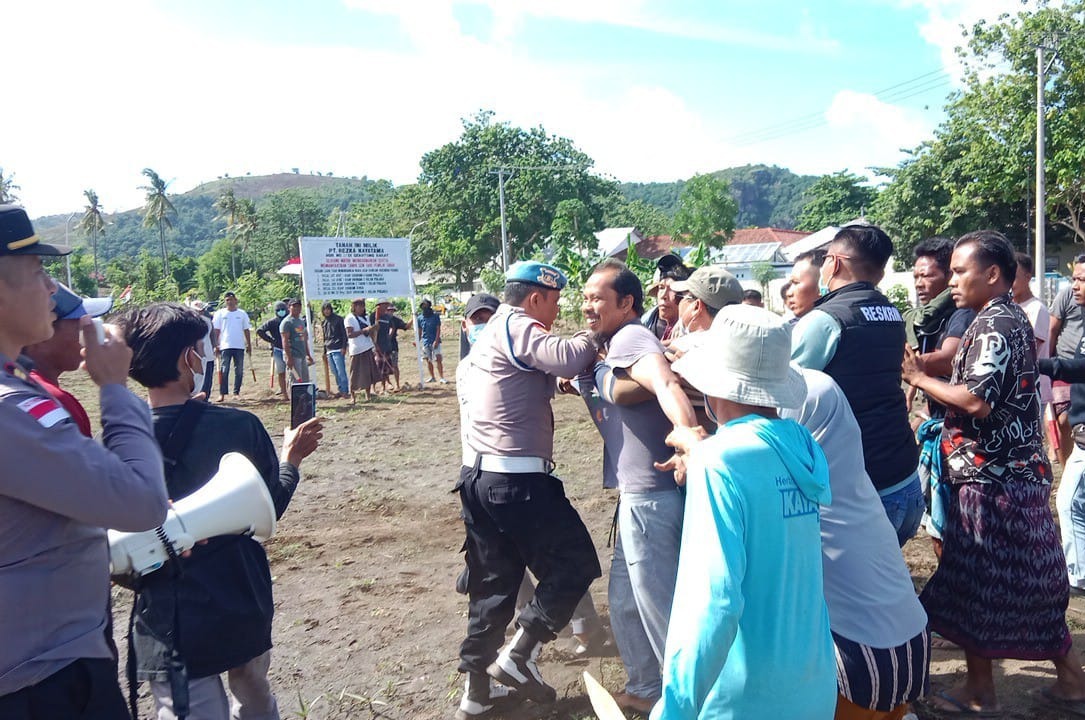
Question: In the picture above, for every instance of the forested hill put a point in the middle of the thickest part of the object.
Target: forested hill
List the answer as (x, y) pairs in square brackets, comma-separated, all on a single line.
[(196, 226), (767, 196)]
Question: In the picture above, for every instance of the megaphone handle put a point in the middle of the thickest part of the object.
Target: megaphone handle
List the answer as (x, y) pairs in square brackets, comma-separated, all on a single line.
[(168, 544)]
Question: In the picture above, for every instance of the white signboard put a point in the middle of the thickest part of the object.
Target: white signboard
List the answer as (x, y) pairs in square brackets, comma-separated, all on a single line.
[(339, 268)]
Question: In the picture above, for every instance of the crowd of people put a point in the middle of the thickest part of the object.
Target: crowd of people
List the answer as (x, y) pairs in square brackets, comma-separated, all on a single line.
[(769, 470)]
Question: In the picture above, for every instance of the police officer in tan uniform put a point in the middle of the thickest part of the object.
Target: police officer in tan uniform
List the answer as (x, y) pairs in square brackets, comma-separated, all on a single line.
[(514, 509), (58, 490)]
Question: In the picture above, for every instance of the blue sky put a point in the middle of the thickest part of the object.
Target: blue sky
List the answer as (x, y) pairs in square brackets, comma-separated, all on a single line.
[(652, 90)]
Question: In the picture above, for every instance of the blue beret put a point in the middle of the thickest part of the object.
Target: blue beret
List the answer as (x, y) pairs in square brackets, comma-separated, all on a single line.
[(536, 273)]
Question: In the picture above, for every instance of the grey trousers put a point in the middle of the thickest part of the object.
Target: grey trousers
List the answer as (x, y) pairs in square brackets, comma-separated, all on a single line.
[(252, 698)]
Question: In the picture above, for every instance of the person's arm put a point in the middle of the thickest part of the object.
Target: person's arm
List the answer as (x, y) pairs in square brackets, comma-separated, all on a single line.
[(1064, 369), (653, 373), (284, 333), (940, 362), (248, 341), (708, 596), (958, 397), (619, 390), (814, 340), (308, 353), (1056, 330), (215, 334), (533, 348), (264, 334), (118, 484), (349, 327)]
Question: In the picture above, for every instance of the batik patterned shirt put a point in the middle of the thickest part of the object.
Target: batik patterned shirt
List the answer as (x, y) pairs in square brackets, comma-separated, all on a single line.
[(996, 362)]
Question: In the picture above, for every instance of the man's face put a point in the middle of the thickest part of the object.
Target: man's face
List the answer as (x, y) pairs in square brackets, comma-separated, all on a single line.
[(602, 308), (26, 300), (295, 310), (358, 308), (1078, 283), (668, 302), (231, 303), (971, 284), (930, 280), (802, 291), (542, 304), (1021, 289)]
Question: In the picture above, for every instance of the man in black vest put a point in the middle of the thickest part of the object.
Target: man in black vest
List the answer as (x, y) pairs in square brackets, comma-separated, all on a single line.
[(857, 336)]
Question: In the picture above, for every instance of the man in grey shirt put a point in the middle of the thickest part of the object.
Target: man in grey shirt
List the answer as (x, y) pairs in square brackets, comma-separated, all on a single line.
[(642, 572), (58, 490), (296, 342), (1067, 326)]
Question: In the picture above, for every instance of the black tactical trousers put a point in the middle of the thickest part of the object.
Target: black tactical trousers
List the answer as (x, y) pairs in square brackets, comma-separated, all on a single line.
[(515, 521), (85, 690)]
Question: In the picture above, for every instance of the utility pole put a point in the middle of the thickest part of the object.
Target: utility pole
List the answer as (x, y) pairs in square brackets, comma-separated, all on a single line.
[(1041, 189), (504, 172)]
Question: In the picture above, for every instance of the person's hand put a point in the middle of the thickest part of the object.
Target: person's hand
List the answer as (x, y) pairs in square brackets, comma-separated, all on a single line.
[(216, 352), (106, 363), (249, 350), (566, 387), (302, 441), (310, 360), (911, 367), (683, 439), (677, 464)]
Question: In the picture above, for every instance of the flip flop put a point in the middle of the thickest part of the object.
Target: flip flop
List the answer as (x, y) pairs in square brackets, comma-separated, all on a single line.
[(959, 709), (1063, 705)]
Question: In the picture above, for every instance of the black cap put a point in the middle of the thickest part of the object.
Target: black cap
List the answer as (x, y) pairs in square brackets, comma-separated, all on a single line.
[(17, 235), (228, 293), (292, 302), (481, 301)]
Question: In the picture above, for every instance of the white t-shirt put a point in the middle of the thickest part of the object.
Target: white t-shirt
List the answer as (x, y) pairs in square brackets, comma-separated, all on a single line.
[(232, 327), (1040, 319), (360, 343)]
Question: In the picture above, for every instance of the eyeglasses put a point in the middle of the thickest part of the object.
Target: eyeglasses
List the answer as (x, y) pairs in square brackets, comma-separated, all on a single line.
[(683, 296), (838, 256)]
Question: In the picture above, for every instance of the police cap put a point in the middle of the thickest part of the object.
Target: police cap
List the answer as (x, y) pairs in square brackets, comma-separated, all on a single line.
[(17, 235), (536, 273)]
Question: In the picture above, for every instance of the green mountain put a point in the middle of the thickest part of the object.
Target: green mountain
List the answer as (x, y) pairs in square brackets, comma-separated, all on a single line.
[(195, 227), (767, 196)]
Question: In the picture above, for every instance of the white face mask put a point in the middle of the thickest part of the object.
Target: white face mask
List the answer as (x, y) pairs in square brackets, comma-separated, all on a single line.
[(197, 377)]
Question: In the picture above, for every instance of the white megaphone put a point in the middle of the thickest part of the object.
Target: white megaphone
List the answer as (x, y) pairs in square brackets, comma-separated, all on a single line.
[(234, 502)]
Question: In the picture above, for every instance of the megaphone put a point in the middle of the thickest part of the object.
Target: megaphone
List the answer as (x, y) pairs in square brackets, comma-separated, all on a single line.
[(233, 502)]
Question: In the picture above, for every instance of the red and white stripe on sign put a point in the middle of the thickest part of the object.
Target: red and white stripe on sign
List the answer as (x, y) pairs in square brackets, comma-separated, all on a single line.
[(46, 411)]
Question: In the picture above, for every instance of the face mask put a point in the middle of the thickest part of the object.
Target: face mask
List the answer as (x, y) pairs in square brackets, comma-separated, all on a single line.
[(197, 377), (823, 285), (474, 332), (709, 411), (281, 313)]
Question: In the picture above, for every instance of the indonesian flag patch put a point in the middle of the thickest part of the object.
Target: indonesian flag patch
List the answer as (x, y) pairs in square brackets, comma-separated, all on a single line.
[(46, 411)]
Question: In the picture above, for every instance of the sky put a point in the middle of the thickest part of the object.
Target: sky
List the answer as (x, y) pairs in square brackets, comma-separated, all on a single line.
[(652, 90)]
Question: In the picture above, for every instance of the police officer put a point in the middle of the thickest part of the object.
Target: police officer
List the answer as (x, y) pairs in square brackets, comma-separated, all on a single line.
[(856, 336), (58, 489), (515, 511)]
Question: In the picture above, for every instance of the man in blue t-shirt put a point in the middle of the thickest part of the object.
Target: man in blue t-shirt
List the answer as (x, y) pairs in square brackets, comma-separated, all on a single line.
[(429, 330)]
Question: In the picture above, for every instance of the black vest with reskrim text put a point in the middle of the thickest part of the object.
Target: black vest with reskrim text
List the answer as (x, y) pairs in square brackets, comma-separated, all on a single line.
[(866, 366)]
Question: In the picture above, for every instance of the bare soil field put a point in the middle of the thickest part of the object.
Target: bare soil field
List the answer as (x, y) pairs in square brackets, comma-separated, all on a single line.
[(368, 623)]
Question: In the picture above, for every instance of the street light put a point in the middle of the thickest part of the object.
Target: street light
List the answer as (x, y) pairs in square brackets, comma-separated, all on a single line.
[(414, 310)]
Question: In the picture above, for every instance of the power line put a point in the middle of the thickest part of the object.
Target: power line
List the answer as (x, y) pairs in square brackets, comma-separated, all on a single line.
[(918, 85)]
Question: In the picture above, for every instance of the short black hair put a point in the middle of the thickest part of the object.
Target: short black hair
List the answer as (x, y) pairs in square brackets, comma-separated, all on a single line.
[(1024, 262), (157, 334), (992, 248), (425, 303), (516, 292), (938, 248), (752, 295), (868, 248), (625, 282), (815, 257), (1079, 259)]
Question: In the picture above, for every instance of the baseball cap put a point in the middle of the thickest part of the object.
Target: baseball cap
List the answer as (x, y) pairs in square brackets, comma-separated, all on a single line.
[(713, 285), (228, 293), (292, 302), (70, 306), (536, 273), (17, 235), (481, 301)]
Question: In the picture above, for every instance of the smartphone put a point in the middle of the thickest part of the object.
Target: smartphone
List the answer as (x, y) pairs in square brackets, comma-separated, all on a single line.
[(302, 403)]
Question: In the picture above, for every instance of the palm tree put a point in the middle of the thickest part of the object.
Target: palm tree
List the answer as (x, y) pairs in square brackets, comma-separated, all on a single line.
[(93, 225), (227, 207), (7, 188), (245, 227), (157, 211)]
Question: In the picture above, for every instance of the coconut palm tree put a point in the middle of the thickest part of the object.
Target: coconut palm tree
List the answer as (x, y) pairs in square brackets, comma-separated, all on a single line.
[(245, 227), (93, 224), (157, 211), (227, 207)]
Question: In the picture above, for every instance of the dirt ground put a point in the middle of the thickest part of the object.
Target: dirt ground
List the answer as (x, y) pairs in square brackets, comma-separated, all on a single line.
[(364, 562)]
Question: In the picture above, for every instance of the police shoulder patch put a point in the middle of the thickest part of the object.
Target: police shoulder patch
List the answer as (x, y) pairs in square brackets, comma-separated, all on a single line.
[(46, 411)]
